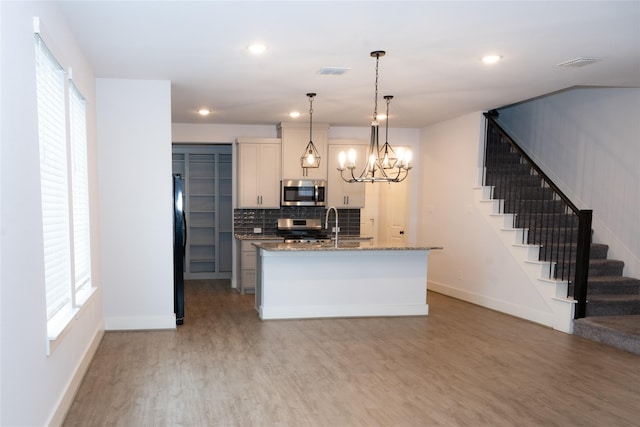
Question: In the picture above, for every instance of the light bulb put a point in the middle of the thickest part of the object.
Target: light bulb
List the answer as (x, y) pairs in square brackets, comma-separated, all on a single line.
[(407, 157), (352, 157), (342, 157), (401, 155), (372, 162), (310, 158)]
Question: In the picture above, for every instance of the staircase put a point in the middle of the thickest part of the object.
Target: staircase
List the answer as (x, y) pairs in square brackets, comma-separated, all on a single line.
[(613, 301)]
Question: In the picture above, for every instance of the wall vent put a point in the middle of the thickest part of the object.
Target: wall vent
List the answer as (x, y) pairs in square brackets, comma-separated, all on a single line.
[(334, 71), (580, 61)]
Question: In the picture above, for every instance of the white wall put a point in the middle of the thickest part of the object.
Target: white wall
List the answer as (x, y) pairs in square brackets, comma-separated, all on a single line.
[(35, 388), (215, 133), (588, 141), (134, 166), (475, 265)]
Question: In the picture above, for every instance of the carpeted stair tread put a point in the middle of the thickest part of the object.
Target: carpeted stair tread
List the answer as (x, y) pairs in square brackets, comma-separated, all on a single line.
[(613, 285), (622, 332), (614, 298), (605, 267), (597, 251), (597, 267), (613, 305)]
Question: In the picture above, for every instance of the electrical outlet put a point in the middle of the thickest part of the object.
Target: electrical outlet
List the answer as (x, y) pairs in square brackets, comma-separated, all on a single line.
[(333, 229), (257, 230)]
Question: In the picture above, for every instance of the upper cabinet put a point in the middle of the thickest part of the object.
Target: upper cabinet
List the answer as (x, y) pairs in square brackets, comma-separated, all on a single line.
[(295, 137), (258, 173), (342, 194)]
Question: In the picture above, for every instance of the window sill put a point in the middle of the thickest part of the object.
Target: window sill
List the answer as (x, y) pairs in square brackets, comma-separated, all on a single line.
[(61, 323)]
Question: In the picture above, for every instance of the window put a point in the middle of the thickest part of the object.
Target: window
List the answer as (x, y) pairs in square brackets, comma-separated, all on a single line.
[(80, 194), (64, 191)]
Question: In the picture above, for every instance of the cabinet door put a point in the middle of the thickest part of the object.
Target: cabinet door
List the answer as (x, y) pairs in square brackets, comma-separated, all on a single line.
[(259, 175), (269, 176), (294, 141), (248, 160), (247, 266), (342, 194)]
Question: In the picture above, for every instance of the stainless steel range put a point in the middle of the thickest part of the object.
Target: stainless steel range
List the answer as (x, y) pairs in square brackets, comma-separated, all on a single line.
[(302, 230)]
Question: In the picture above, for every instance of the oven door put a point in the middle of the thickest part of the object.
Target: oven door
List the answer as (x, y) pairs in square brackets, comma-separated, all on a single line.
[(303, 193)]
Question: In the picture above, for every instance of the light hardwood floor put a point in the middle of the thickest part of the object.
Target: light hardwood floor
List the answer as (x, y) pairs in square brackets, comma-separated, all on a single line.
[(463, 365)]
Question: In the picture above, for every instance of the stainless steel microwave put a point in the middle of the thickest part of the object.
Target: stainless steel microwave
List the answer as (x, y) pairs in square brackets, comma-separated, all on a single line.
[(303, 192)]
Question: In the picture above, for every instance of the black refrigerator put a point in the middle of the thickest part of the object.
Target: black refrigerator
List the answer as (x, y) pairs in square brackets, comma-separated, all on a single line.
[(179, 247)]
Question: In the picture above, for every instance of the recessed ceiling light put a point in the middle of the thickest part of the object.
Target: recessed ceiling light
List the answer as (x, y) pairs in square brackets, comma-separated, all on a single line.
[(204, 111), (257, 48), (491, 59), (381, 116), (294, 114)]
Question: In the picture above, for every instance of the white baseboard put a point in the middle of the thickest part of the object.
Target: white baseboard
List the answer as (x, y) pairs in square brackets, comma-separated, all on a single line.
[(70, 393), (536, 316), (305, 312), (139, 323)]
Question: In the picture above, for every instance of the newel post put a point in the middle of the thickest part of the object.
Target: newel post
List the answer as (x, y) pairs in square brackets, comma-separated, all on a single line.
[(582, 263)]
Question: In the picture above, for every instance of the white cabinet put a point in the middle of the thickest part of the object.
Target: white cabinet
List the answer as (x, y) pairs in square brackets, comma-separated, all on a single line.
[(341, 194), (247, 264), (295, 137), (259, 173)]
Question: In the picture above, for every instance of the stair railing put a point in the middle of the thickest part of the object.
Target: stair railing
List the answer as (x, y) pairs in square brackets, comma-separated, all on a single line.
[(550, 223)]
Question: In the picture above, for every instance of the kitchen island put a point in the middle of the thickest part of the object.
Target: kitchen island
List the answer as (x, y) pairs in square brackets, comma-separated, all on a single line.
[(350, 279)]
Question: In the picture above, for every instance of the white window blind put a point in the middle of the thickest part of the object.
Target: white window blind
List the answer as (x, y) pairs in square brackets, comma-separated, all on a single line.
[(53, 179), (80, 185)]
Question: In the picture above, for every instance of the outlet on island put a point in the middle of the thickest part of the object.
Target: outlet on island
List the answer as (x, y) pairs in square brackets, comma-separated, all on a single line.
[(257, 230)]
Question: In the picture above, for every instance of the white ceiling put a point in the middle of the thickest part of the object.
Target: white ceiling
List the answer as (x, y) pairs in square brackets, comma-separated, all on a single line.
[(432, 66)]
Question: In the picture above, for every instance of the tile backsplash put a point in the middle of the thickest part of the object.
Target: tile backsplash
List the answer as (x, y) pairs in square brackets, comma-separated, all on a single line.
[(245, 220)]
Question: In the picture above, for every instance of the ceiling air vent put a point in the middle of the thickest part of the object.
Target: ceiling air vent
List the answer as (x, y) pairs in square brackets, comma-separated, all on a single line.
[(334, 71), (580, 61)]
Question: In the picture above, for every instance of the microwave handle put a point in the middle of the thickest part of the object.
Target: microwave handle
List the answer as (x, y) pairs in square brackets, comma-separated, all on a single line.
[(317, 193)]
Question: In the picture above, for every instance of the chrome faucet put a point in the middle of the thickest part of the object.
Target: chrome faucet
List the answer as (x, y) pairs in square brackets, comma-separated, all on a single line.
[(326, 221)]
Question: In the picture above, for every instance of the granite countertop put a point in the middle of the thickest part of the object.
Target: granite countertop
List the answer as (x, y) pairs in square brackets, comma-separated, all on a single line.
[(257, 237), (341, 246), (274, 237)]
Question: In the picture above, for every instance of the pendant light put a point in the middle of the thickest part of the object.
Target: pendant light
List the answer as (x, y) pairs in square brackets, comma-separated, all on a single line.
[(310, 157), (383, 164)]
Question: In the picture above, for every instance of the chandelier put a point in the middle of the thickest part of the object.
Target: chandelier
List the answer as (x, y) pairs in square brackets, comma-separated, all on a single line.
[(310, 157), (383, 164)]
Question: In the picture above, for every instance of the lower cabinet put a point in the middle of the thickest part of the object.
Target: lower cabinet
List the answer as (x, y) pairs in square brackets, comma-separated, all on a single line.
[(247, 264)]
